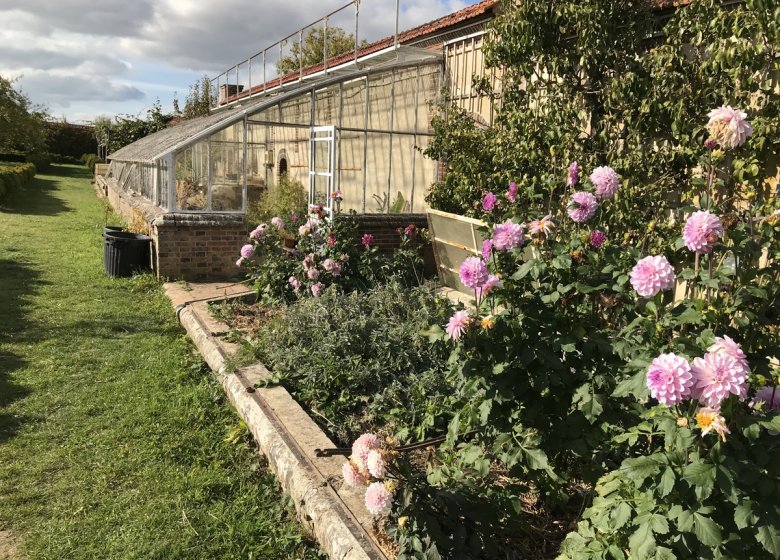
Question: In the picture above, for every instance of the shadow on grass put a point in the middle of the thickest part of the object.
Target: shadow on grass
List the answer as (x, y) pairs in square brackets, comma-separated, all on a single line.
[(18, 281), (39, 198)]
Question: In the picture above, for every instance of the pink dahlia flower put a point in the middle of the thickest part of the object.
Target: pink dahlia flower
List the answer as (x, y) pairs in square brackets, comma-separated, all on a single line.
[(313, 274), (375, 463), (487, 249), (247, 251), (379, 500), (316, 289), (702, 231), (726, 345), (542, 226), (606, 182), (367, 240), (729, 127), (332, 266), (489, 202), (491, 284), (352, 475), (277, 222), (258, 232), (669, 379), (770, 396), (597, 238), (716, 376), (652, 275), (511, 194), (294, 282), (458, 324), (507, 236), (582, 206), (361, 448), (574, 174), (473, 272)]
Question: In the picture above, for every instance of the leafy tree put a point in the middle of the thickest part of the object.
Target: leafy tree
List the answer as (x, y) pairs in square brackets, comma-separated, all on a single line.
[(126, 129), (198, 101), (313, 50), (21, 123)]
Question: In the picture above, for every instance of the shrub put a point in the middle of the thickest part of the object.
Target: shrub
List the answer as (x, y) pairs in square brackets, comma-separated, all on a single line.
[(287, 197), (41, 161), (361, 361), (14, 176), (90, 160)]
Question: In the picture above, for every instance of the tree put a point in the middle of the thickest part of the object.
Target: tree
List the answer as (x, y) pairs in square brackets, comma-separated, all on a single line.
[(198, 101), (313, 51), (21, 123)]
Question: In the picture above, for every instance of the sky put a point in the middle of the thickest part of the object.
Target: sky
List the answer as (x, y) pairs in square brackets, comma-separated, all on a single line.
[(82, 58)]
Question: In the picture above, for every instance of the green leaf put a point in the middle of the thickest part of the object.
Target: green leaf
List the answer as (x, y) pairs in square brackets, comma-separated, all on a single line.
[(772, 424), (702, 477), (663, 553), (707, 531), (535, 458), (592, 406), (659, 524), (621, 514), (667, 482), (641, 542), (743, 515), (769, 537), (640, 468)]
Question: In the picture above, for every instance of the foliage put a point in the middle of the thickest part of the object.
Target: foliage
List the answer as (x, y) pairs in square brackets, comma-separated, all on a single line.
[(198, 100), (41, 161), (69, 140), (90, 160), (313, 50), (326, 253), (99, 403), (21, 123), (360, 360), (551, 374), (286, 198), (14, 176), (126, 129)]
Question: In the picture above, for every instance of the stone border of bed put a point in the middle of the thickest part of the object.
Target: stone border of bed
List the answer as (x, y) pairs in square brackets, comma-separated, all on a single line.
[(287, 436)]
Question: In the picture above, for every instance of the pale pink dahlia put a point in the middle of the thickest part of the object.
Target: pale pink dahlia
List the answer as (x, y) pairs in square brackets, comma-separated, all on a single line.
[(574, 174), (511, 194), (669, 379), (582, 206), (729, 127), (332, 266), (375, 463), (316, 289), (726, 345), (294, 282), (702, 231), (606, 182), (240, 261), (473, 272), (770, 396), (352, 476), (361, 448), (458, 324), (491, 284), (379, 500), (507, 236), (313, 274), (716, 376), (258, 232), (487, 249), (652, 275), (277, 222), (247, 251), (542, 226)]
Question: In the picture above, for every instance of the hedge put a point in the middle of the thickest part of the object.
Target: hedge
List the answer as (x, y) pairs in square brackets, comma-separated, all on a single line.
[(13, 175)]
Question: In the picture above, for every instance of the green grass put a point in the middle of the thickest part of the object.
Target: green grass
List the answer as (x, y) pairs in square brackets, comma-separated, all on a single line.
[(115, 441)]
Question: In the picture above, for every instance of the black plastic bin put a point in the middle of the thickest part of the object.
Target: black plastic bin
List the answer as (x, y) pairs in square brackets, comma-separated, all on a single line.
[(125, 253), (112, 229)]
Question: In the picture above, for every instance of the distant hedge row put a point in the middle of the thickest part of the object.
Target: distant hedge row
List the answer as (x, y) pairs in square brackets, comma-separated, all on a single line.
[(14, 176)]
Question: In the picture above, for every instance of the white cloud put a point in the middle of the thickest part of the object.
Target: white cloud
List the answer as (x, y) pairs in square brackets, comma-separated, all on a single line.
[(85, 55)]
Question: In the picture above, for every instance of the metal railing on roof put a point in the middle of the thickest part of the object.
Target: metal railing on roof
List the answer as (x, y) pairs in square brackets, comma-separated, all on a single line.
[(230, 79)]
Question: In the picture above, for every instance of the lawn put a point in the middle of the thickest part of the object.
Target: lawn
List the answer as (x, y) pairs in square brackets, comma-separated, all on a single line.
[(115, 441)]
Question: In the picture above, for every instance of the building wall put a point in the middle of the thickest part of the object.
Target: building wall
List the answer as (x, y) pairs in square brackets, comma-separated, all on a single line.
[(464, 59)]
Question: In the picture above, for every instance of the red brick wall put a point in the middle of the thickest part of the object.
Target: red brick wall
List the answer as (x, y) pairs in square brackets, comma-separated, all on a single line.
[(198, 251), (384, 229)]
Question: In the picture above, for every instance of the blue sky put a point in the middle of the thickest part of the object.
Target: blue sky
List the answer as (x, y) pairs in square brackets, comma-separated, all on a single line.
[(81, 58)]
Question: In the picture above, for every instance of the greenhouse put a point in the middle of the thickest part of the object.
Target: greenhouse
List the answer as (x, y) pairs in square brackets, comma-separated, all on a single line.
[(361, 134)]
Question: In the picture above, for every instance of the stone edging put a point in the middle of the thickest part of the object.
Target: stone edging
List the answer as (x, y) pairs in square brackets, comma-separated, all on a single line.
[(287, 436)]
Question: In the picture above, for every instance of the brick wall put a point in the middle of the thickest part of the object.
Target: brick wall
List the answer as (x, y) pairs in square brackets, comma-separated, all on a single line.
[(184, 246), (384, 228)]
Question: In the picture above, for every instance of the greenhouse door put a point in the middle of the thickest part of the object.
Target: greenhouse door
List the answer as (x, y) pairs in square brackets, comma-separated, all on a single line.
[(322, 162)]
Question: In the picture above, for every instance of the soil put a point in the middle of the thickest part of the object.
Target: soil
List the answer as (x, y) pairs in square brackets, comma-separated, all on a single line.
[(8, 545)]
